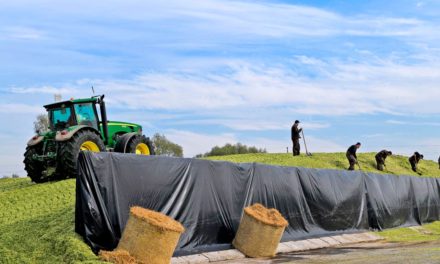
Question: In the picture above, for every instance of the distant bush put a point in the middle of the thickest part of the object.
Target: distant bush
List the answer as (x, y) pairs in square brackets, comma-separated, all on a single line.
[(230, 149), (165, 147)]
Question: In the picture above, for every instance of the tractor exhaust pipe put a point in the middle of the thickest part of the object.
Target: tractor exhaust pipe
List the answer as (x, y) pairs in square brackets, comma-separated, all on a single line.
[(104, 120)]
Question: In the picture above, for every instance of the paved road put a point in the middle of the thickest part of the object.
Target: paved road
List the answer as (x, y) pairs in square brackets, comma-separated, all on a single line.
[(378, 252)]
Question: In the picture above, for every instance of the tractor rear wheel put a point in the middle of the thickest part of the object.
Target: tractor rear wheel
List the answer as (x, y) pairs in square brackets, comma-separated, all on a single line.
[(34, 168), (83, 140), (140, 145)]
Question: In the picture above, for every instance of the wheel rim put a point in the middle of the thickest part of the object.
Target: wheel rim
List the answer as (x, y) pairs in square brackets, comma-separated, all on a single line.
[(89, 146), (142, 149)]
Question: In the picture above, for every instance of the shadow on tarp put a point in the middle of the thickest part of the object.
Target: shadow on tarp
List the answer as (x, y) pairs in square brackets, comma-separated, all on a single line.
[(208, 198)]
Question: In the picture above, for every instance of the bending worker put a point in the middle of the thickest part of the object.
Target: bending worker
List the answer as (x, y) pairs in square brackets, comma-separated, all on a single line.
[(295, 138), (351, 155), (414, 160), (380, 158)]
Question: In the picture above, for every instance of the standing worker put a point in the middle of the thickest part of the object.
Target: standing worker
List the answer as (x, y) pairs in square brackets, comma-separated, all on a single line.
[(295, 131), (380, 158), (439, 162), (414, 160), (351, 155)]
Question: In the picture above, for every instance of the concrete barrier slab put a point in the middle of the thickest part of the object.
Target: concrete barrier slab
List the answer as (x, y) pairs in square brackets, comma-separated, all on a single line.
[(283, 248), (304, 245), (342, 239), (224, 255), (358, 237), (331, 241), (199, 258), (214, 256), (351, 238), (179, 260), (233, 254), (372, 236), (319, 242), (293, 247)]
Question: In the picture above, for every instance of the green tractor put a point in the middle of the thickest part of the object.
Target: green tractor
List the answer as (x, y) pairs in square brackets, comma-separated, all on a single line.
[(75, 126)]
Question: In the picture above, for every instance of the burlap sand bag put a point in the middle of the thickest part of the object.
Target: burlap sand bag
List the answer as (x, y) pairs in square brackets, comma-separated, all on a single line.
[(149, 236), (260, 231)]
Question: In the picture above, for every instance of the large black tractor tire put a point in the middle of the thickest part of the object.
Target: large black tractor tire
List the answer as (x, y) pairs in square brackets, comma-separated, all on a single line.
[(141, 145), (137, 144), (83, 140), (34, 168)]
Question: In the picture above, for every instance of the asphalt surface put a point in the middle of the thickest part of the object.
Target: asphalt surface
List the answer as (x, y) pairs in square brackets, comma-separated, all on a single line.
[(376, 252)]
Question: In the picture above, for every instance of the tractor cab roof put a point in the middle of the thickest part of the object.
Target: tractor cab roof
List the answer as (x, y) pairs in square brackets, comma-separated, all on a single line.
[(71, 102)]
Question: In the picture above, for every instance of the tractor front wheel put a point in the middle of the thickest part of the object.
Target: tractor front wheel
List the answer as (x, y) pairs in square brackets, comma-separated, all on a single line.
[(83, 140), (33, 167), (140, 145)]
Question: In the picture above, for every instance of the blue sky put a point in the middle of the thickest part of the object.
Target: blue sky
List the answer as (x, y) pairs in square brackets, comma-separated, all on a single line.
[(209, 72)]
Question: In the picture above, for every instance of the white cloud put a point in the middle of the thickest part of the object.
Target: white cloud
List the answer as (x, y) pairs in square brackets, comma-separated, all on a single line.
[(398, 122), (277, 20), (343, 89), (236, 19), (44, 90), (20, 109), (23, 33)]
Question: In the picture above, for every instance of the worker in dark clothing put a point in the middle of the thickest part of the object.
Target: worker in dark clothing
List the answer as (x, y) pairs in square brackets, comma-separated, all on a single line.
[(380, 158), (295, 131), (351, 155), (439, 162), (414, 160)]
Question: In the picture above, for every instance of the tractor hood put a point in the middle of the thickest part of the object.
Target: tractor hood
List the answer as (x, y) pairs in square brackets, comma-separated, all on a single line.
[(40, 137)]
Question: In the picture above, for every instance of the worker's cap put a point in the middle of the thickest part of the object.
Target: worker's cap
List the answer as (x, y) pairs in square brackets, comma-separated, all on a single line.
[(359, 143), (296, 121)]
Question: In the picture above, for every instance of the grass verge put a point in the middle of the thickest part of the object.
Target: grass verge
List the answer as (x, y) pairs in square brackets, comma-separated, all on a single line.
[(424, 233)]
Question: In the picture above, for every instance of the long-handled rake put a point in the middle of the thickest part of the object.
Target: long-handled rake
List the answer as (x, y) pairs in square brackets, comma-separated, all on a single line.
[(358, 165), (305, 145)]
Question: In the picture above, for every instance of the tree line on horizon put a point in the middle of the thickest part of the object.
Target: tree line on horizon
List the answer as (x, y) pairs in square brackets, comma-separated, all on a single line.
[(231, 149)]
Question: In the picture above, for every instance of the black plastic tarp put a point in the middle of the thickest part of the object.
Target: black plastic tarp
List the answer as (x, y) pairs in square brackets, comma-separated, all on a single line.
[(208, 198)]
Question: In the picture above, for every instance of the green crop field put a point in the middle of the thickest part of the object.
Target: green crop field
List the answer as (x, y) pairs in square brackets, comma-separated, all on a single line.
[(397, 165), (37, 220)]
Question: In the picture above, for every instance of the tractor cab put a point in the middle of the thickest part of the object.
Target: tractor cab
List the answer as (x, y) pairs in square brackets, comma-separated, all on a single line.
[(64, 115)]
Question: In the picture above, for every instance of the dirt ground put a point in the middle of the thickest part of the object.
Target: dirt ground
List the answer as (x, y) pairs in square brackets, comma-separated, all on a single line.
[(379, 252)]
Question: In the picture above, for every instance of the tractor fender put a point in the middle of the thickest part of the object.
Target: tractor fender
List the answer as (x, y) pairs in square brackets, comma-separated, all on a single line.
[(64, 137), (35, 140), (121, 144)]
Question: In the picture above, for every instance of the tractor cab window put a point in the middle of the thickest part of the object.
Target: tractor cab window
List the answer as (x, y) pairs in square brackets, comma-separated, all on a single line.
[(61, 118), (85, 114)]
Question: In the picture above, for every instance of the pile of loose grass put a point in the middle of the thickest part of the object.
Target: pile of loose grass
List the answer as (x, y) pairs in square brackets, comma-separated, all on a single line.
[(397, 165), (37, 223)]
